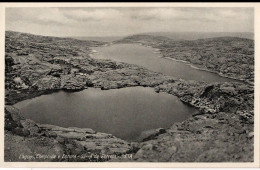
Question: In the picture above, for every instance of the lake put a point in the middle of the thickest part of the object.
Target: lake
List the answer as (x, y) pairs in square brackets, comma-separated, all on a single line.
[(148, 58), (125, 112)]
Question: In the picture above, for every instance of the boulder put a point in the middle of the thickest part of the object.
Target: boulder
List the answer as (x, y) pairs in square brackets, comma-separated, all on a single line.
[(69, 129), (251, 135), (71, 82), (14, 113), (31, 126), (150, 134), (50, 134), (82, 130), (21, 132), (71, 135), (228, 90)]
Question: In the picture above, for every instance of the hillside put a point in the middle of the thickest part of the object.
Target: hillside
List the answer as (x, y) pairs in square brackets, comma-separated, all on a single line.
[(228, 56), (102, 39), (201, 35), (221, 131)]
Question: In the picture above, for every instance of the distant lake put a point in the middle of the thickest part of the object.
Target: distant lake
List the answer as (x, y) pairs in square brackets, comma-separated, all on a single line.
[(148, 58), (125, 112)]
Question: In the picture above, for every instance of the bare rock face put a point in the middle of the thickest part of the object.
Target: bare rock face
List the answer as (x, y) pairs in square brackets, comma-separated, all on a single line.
[(200, 139), (87, 140), (12, 118), (31, 126), (150, 134), (83, 130), (70, 82), (47, 83), (18, 125), (70, 129), (35, 149), (105, 145)]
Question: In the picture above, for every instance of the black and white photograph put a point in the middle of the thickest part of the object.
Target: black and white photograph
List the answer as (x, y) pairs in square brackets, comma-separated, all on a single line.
[(129, 84)]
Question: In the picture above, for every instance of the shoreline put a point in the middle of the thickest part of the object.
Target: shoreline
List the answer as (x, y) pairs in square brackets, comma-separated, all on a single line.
[(156, 135), (221, 117), (204, 69), (135, 140), (158, 51)]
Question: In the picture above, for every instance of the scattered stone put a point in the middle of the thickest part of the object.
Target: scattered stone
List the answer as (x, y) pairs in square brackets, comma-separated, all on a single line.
[(223, 131), (251, 135)]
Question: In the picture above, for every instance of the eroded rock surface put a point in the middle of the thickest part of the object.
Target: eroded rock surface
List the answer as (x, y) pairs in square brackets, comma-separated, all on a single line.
[(37, 140), (222, 130)]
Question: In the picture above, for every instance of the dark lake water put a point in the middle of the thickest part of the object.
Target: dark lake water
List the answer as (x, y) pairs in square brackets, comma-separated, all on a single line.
[(124, 112), (146, 57)]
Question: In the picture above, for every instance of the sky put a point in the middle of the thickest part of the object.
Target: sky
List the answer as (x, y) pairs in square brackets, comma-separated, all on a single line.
[(122, 21)]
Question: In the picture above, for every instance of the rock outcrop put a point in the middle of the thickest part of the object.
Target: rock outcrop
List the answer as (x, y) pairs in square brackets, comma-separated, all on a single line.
[(222, 130), (63, 144), (218, 137), (227, 56)]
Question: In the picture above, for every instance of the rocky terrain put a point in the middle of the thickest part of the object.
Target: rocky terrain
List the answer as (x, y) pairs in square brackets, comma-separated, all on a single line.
[(231, 57), (221, 131), (201, 35)]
